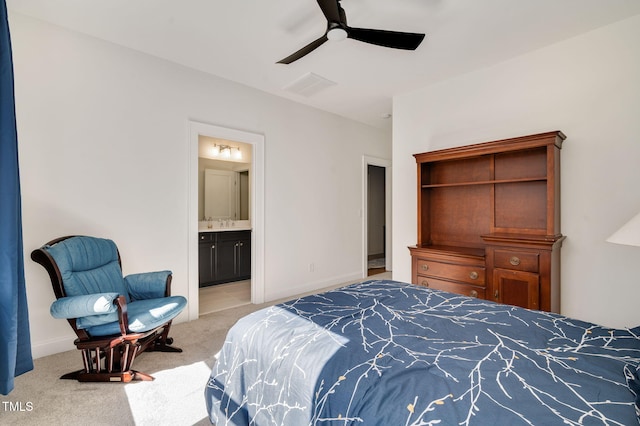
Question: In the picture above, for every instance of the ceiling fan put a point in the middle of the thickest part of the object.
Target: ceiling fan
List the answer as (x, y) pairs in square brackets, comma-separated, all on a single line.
[(337, 29)]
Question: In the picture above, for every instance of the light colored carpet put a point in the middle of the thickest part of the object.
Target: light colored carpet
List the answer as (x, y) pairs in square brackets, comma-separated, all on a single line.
[(175, 397)]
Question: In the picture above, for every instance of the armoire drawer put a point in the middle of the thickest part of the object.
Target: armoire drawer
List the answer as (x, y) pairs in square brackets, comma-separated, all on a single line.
[(458, 288), (467, 273), (516, 260)]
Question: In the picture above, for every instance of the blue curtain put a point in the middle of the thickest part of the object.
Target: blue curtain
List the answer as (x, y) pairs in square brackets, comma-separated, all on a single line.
[(15, 341)]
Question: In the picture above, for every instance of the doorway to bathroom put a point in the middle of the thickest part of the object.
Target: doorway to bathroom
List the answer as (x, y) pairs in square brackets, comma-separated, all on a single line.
[(376, 224), (242, 153), (224, 224), (376, 208)]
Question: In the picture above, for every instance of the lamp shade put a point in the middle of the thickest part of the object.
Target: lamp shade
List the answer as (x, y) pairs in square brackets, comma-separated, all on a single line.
[(628, 234)]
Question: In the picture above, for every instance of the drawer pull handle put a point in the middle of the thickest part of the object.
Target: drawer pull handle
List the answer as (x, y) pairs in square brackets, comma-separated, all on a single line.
[(496, 294), (473, 293), (474, 276), (425, 283), (425, 267), (515, 260)]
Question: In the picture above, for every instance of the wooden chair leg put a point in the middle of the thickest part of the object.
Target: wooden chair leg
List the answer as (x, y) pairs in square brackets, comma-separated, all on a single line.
[(138, 375), (130, 352), (124, 358), (86, 356), (110, 359), (97, 358), (163, 342)]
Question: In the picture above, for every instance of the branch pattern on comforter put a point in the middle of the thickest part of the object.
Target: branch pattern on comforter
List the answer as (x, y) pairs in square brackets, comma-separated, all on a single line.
[(390, 353)]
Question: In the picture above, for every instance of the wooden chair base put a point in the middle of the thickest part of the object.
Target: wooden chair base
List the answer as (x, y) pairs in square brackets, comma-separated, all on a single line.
[(123, 377), (110, 359)]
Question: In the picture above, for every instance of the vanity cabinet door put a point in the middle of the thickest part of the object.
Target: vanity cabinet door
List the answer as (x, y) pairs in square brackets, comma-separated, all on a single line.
[(226, 256), (206, 258), (244, 256)]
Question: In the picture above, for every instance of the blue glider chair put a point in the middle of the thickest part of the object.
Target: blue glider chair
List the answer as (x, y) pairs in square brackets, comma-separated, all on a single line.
[(114, 317)]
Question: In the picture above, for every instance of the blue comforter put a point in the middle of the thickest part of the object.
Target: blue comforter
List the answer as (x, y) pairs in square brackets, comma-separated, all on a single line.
[(389, 353)]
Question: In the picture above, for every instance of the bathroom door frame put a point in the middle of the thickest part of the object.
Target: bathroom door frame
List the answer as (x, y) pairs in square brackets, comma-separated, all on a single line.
[(256, 140), (386, 164)]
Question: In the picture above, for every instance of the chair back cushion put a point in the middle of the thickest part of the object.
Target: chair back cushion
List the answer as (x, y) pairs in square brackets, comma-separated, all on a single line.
[(88, 265)]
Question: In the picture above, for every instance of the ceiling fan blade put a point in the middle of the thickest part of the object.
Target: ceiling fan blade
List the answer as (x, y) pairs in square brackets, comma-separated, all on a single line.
[(304, 51), (394, 39), (337, 26), (331, 10)]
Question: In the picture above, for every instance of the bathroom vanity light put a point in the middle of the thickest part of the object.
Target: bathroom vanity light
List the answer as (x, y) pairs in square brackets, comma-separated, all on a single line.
[(226, 152), (237, 154)]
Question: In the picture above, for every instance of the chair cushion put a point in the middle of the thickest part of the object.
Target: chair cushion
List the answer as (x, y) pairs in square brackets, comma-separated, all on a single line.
[(144, 315), (88, 265), (82, 306), (147, 285)]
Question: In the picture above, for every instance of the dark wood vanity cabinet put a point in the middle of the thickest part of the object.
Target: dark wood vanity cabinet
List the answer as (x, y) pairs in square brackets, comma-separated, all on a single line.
[(224, 257), (489, 221)]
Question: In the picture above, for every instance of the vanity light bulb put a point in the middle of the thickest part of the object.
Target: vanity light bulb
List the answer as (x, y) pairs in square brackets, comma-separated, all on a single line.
[(237, 154), (226, 153), (215, 150)]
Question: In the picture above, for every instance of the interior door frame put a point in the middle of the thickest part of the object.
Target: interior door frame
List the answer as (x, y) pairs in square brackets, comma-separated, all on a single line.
[(386, 164), (256, 183)]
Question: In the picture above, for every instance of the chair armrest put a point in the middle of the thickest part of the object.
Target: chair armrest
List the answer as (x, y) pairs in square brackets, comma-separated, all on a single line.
[(82, 306), (123, 316), (148, 285)]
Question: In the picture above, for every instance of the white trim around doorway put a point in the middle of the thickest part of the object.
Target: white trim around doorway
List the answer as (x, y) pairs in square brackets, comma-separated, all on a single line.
[(197, 129), (380, 162)]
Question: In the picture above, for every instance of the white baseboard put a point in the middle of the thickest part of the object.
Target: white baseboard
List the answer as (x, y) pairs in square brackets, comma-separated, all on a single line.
[(53, 346)]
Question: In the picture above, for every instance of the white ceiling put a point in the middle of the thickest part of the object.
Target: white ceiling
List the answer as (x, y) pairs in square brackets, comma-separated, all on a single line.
[(241, 40)]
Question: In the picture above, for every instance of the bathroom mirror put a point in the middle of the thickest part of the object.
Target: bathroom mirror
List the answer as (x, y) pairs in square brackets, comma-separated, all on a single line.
[(226, 194)]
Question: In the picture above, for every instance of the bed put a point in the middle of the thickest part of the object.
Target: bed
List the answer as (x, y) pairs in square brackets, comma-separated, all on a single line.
[(389, 353)]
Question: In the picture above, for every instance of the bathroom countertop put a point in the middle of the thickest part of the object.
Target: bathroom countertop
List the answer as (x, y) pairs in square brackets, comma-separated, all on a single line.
[(224, 229), (219, 226)]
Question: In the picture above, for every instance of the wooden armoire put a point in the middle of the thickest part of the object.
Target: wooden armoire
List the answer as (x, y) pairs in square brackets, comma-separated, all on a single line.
[(489, 221)]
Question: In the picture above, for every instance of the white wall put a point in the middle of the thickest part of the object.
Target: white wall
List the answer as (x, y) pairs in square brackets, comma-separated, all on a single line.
[(103, 140), (588, 87)]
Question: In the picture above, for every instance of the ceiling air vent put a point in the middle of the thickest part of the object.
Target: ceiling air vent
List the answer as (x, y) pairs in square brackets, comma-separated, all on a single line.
[(309, 84)]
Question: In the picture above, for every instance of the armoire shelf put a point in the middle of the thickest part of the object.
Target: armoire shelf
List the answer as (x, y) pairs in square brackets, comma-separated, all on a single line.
[(487, 182), (479, 203)]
